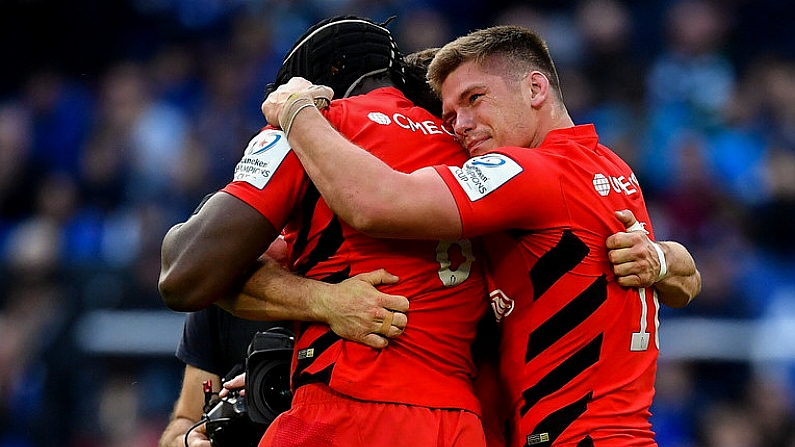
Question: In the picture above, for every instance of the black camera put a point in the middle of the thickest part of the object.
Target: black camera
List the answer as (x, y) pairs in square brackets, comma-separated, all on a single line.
[(240, 421), (228, 423), (268, 374)]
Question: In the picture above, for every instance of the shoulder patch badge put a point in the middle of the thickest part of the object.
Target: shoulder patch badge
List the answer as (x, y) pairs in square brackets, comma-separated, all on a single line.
[(264, 154), (481, 175)]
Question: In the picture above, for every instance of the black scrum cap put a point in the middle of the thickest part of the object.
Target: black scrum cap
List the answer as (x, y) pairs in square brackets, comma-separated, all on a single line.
[(339, 52)]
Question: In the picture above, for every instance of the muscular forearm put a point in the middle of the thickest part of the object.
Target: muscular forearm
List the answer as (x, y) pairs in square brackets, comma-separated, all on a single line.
[(683, 281), (358, 189), (354, 308), (274, 293), (363, 190), (367, 193)]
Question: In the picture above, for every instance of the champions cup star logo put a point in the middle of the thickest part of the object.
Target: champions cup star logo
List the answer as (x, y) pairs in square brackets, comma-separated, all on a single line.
[(262, 157), (265, 143)]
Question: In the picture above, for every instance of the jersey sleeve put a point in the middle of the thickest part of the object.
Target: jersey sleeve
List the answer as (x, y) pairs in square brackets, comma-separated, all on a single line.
[(269, 177), (490, 189)]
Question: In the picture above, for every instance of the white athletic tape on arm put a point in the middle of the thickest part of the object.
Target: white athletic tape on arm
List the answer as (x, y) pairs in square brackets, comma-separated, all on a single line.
[(663, 264), (637, 226)]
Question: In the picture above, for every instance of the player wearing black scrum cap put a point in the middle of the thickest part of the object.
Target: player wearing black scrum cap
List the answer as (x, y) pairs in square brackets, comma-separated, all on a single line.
[(341, 52), (411, 390)]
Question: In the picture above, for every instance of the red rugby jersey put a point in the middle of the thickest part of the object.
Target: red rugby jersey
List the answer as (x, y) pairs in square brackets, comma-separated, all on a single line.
[(430, 364), (578, 353)]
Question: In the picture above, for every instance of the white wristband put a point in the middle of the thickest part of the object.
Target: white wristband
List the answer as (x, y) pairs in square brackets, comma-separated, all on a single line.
[(663, 264)]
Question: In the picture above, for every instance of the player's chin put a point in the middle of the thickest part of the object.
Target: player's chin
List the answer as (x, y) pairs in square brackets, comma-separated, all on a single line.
[(480, 147), (477, 151)]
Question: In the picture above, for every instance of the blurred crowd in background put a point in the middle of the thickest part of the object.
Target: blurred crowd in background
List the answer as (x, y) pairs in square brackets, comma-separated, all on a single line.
[(116, 118)]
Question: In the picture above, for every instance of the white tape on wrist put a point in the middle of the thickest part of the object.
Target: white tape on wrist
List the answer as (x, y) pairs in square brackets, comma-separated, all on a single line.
[(663, 264), (637, 226)]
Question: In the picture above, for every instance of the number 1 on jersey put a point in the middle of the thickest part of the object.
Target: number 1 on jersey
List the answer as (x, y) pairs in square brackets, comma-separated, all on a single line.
[(640, 339)]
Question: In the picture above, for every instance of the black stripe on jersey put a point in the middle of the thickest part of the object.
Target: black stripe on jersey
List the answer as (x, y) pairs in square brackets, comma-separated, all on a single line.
[(338, 277), (330, 241), (561, 259), (304, 325), (587, 441), (330, 238), (562, 374), (322, 376), (566, 319), (308, 204), (548, 430), (319, 346)]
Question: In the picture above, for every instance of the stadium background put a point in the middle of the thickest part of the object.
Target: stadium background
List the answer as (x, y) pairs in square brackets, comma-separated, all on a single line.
[(117, 117)]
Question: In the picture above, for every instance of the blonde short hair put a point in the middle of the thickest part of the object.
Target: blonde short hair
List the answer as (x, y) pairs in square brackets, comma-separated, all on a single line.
[(511, 51)]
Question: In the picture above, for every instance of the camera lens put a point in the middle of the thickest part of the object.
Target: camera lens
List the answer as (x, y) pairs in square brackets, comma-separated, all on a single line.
[(268, 390), (276, 387)]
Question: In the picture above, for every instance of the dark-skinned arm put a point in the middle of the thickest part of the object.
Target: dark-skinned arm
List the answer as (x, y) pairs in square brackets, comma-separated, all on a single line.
[(215, 257), (206, 257)]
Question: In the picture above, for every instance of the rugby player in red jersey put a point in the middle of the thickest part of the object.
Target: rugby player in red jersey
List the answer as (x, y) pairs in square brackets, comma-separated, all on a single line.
[(418, 390)]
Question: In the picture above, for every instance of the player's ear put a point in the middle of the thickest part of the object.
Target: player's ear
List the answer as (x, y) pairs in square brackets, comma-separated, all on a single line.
[(537, 86)]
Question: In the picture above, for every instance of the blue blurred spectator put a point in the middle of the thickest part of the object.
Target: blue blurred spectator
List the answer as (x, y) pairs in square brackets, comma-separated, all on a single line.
[(688, 84), (62, 113)]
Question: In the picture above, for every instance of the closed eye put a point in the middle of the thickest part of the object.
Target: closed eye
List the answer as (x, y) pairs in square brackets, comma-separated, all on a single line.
[(449, 120), (450, 123)]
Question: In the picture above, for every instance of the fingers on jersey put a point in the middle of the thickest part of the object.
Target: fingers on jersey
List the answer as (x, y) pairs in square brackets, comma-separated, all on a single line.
[(627, 246), (392, 324), (384, 329), (634, 259), (374, 340), (628, 275), (627, 218)]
